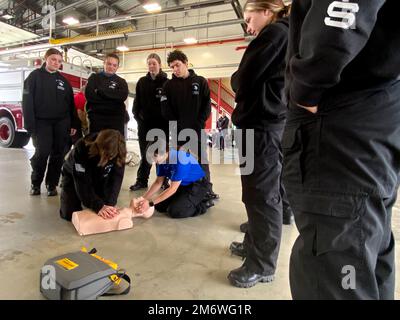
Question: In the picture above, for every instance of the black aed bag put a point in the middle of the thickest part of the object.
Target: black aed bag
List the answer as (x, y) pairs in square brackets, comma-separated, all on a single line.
[(81, 275)]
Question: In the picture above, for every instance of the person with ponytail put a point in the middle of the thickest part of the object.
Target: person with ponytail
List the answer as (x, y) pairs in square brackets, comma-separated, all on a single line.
[(92, 174), (260, 108)]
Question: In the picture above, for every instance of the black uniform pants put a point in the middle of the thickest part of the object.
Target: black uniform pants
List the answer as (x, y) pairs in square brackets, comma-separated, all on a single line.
[(186, 202), (261, 194), (69, 199), (341, 169), (143, 172), (98, 122), (199, 150), (50, 140)]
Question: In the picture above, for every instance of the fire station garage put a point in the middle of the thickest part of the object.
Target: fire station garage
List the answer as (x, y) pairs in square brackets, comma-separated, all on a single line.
[(199, 149)]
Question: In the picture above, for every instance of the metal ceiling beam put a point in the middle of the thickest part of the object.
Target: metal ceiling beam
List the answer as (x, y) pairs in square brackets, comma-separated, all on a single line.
[(130, 34), (182, 8), (239, 13), (72, 5), (107, 4)]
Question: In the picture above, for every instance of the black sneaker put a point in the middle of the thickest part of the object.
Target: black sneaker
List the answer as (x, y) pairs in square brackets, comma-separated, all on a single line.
[(35, 190), (51, 191), (243, 277), (238, 249), (137, 186), (212, 195)]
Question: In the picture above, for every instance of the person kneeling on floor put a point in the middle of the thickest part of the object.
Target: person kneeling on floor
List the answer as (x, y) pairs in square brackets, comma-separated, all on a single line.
[(92, 174), (186, 196)]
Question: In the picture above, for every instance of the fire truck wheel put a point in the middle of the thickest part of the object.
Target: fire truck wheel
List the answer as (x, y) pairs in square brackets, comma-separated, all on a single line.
[(7, 132)]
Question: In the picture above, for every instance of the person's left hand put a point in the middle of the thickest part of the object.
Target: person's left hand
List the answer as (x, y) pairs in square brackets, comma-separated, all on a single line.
[(143, 206), (73, 131)]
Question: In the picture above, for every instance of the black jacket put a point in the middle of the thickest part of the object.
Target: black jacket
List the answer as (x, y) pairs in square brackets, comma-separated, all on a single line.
[(106, 95), (259, 81), (187, 101), (47, 96), (223, 123), (96, 186), (147, 105), (328, 56)]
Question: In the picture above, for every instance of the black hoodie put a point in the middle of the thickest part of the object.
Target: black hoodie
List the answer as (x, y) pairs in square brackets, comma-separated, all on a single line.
[(96, 186), (259, 81), (333, 52), (147, 104), (47, 96), (106, 95), (187, 101)]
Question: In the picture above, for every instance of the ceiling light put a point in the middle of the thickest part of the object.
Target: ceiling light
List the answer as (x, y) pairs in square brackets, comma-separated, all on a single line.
[(70, 21), (122, 48), (190, 40), (7, 16), (152, 7)]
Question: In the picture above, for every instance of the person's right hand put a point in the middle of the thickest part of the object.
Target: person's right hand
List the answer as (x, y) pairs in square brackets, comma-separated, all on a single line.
[(108, 212)]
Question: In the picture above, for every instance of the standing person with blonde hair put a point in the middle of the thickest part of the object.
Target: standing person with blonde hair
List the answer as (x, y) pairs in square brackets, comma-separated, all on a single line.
[(50, 118), (259, 84), (147, 112)]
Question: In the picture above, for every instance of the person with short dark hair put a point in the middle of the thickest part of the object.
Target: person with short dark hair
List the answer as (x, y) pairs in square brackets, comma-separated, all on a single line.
[(186, 195), (222, 126), (106, 93), (147, 112), (50, 118), (92, 174), (186, 100)]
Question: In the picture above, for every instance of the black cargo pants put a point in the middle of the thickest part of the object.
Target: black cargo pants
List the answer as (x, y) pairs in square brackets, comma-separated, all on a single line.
[(50, 140), (186, 202), (341, 169), (261, 194), (144, 169)]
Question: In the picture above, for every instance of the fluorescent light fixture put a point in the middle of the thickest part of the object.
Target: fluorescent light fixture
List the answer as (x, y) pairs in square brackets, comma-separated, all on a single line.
[(7, 16), (70, 21), (190, 40), (122, 48), (152, 7)]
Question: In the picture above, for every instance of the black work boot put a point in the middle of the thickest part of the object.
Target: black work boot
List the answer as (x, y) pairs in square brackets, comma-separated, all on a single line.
[(244, 278), (238, 249), (35, 190), (138, 185), (244, 227), (51, 191)]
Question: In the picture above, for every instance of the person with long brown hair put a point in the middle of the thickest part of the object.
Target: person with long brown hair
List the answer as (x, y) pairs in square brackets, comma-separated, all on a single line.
[(92, 174), (260, 108)]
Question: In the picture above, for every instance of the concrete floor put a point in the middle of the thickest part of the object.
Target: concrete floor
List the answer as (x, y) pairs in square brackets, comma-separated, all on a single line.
[(166, 258)]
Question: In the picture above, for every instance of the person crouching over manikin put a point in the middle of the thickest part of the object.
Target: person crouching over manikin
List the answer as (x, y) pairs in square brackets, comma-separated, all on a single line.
[(186, 196), (92, 174)]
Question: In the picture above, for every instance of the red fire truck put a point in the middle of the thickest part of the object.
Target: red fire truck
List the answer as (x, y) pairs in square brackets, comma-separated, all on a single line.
[(12, 131)]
